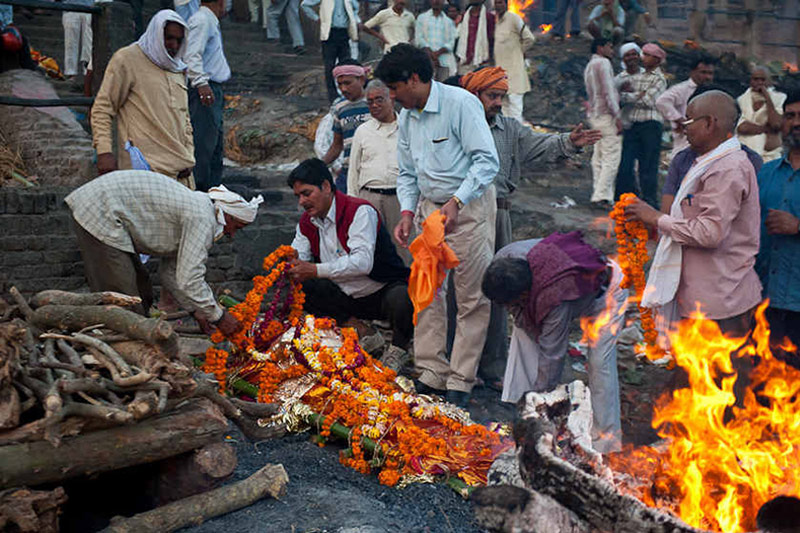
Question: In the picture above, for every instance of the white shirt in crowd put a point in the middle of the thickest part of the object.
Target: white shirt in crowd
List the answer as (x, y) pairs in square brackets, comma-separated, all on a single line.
[(349, 271), (204, 54), (373, 156)]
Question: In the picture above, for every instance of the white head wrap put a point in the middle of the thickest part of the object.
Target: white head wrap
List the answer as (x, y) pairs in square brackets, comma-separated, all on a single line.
[(152, 41), (627, 47), (226, 201)]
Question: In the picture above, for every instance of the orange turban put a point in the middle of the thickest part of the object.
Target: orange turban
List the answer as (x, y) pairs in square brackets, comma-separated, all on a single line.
[(485, 79), (432, 258)]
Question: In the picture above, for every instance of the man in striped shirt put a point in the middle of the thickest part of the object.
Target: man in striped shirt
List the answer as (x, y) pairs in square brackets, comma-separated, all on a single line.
[(641, 140), (349, 111)]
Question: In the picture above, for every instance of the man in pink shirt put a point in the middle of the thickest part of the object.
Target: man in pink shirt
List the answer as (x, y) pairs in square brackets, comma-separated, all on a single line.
[(710, 239), (604, 116), (672, 102)]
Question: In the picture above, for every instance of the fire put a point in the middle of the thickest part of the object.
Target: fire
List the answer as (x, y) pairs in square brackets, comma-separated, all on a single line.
[(790, 67), (725, 458), (593, 328), (546, 27), (519, 6)]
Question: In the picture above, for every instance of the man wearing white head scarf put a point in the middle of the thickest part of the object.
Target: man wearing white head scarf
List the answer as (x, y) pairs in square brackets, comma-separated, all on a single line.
[(127, 212), (144, 87)]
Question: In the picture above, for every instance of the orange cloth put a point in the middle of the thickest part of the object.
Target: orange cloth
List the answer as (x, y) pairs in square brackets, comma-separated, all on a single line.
[(432, 259), (485, 79)]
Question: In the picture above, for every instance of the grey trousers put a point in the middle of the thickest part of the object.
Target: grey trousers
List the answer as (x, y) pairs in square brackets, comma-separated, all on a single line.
[(110, 269), (291, 9)]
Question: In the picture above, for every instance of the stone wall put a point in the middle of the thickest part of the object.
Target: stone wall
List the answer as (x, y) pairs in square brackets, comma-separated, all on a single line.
[(54, 146), (38, 250)]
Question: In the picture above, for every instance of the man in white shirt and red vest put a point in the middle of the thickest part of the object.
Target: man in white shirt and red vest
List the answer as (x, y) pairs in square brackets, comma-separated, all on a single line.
[(347, 262)]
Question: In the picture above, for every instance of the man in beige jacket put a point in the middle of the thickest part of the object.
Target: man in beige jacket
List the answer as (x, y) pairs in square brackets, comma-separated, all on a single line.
[(144, 88), (512, 38)]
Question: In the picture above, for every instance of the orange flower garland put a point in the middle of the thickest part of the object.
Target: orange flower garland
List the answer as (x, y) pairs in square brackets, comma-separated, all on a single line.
[(632, 249), (246, 313)]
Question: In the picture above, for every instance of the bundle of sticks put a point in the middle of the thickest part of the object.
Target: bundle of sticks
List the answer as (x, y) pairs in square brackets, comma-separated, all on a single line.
[(72, 363)]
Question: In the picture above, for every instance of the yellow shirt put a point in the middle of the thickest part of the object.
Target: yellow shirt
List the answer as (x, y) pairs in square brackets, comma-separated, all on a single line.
[(511, 38), (152, 110)]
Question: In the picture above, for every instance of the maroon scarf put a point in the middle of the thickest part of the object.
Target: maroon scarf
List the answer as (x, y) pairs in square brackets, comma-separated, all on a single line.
[(563, 268)]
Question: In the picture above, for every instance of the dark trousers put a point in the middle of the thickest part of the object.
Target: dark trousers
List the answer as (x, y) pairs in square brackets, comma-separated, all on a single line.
[(208, 137), (110, 269), (138, 19), (641, 142), (784, 324), (324, 298), (335, 49)]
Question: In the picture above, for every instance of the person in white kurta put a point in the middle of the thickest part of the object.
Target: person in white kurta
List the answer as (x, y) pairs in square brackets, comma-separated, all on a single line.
[(511, 39), (535, 361), (760, 123)]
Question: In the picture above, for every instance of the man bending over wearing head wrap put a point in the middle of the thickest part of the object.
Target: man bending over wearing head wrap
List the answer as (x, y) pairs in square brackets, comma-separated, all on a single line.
[(144, 87), (127, 212)]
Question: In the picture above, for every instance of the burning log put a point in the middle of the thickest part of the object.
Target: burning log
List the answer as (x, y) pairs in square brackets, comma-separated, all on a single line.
[(30, 511), (195, 424), (271, 481)]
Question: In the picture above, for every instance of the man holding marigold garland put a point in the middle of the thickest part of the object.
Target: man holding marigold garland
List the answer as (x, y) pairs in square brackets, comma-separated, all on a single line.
[(347, 262)]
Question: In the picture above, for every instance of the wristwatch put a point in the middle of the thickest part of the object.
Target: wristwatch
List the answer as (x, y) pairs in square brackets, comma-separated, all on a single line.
[(459, 203)]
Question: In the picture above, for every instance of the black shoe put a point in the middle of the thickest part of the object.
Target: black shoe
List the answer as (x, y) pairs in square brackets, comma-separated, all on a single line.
[(458, 398), (299, 50), (422, 388)]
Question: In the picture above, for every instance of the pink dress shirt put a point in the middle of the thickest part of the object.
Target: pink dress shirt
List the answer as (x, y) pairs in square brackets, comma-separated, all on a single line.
[(672, 103), (719, 233)]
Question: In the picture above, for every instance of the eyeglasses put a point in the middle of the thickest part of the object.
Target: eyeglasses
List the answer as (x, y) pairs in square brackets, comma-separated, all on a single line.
[(378, 100), (688, 121)]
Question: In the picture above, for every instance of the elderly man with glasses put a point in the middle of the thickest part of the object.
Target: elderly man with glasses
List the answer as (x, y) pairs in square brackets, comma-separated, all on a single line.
[(373, 170), (710, 238)]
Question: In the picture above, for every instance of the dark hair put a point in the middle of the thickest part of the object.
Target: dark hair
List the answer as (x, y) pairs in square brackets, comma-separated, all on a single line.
[(702, 58), (597, 43), (792, 97), (506, 279), (312, 172), (454, 81), (401, 62)]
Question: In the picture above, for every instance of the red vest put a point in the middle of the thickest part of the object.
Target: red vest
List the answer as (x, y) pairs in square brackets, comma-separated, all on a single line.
[(387, 265)]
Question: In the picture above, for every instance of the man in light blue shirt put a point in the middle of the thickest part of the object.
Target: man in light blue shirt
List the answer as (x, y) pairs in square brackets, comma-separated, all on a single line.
[(208, 70), (447, 160)]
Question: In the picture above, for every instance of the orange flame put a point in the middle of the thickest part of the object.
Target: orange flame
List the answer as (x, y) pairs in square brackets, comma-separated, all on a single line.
[(519, 6), (594, 327), (546, 27), (790, 67), (725, 458)]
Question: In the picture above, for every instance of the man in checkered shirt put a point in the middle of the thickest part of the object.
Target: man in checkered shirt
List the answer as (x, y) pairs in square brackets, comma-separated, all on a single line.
[(127, 212), (641, 139)]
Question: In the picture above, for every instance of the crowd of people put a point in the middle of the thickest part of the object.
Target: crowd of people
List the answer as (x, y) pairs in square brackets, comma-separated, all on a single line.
[(437, 133)]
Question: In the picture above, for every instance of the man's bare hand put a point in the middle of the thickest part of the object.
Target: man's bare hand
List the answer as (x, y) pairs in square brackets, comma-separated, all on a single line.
[(626, 87), (302, 270), (639, 210), (206, 95), (450, 212), (618, 123), (581, 137), (204, 324), (106, 163), (228, 324), (403, 229), (781, 223)]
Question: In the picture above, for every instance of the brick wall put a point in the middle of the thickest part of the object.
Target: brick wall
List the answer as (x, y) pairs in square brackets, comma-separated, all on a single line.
[(38, 250)]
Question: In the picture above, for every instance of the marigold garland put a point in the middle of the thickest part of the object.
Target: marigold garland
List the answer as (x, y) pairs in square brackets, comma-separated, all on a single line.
[(351, 389), (632, 236)]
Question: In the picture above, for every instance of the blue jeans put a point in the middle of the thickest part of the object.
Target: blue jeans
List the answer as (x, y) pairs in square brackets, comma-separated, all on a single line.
[(208, 137), (641, 142), (560, 23)]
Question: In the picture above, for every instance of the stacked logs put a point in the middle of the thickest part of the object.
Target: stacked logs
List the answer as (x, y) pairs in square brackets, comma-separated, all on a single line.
[(88, 386)]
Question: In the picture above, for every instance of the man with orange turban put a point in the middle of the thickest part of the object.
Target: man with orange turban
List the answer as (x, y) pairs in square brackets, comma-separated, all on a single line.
[(517, 147)]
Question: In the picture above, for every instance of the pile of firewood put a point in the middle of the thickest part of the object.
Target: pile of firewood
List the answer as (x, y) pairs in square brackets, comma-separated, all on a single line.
[(88, 386)]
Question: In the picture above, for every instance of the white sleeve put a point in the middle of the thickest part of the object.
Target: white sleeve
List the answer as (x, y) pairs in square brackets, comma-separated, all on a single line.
[(361, 239)]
